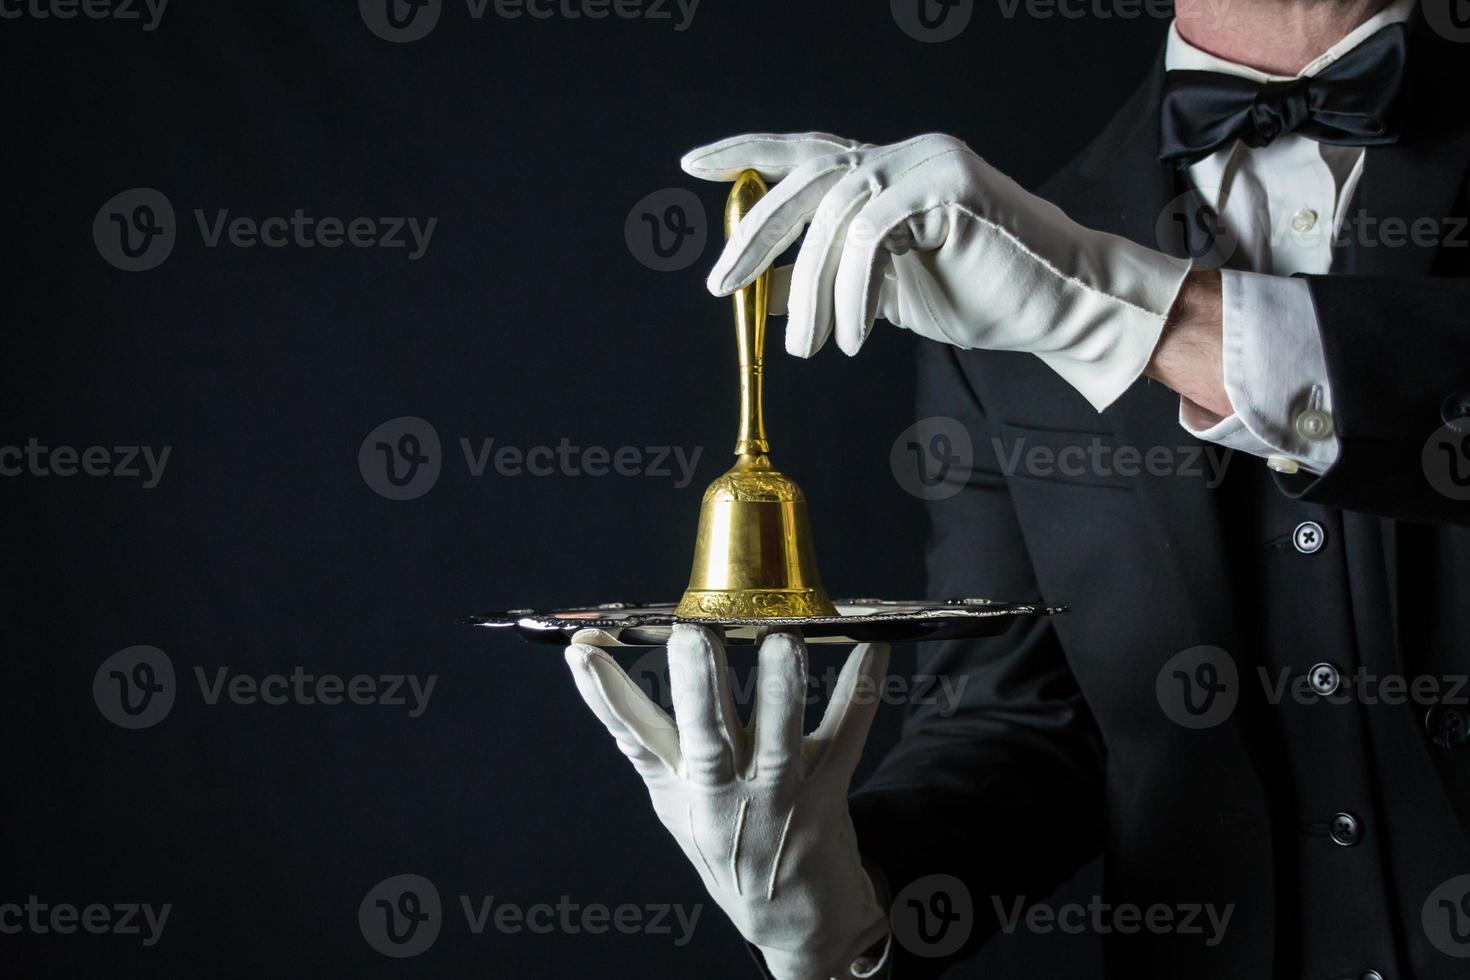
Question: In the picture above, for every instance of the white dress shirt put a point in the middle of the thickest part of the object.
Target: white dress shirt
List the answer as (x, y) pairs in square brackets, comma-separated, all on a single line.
[(1285, 205)]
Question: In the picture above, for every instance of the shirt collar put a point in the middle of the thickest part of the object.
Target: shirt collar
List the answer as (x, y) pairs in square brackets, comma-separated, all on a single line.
[(1180, 55)]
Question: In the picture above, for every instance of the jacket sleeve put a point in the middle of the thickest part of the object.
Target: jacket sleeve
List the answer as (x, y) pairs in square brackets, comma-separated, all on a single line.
[(1398, 360), (992, 772)]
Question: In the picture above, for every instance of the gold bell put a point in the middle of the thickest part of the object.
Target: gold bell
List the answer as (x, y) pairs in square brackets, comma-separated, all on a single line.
[(753, 552)]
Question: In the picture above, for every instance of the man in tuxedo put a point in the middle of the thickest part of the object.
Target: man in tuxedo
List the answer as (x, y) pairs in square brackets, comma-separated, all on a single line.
[(1255, 705)]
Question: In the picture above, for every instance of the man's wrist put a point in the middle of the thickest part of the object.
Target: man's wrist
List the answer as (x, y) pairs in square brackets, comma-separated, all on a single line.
[(1189, 357)]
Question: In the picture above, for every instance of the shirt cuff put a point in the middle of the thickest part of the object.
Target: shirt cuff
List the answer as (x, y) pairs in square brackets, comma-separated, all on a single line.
[(1275, 375)]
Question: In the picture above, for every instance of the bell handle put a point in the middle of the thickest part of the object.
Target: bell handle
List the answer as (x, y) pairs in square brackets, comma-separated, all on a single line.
[(750, 325)]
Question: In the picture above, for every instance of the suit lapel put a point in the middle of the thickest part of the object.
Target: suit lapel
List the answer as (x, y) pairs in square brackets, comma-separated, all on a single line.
[(1408, 183), (1420, 178)]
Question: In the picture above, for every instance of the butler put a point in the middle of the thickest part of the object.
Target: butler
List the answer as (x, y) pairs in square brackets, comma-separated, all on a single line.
[(1208, 269)]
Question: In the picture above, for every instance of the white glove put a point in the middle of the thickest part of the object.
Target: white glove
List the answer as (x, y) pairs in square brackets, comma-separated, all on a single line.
[(760, 811), (930, 237)]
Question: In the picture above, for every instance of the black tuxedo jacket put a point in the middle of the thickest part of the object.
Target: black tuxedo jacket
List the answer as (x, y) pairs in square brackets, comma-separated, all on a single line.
[(1060, 747)]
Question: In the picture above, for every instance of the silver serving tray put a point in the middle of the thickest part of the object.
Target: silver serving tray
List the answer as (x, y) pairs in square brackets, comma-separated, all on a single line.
[(624, 624)]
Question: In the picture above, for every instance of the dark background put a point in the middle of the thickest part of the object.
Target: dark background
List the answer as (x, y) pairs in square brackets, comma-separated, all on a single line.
[(530, 320)]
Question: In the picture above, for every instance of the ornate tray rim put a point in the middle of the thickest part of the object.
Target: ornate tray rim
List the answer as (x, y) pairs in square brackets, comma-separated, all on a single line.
[(912, 610)]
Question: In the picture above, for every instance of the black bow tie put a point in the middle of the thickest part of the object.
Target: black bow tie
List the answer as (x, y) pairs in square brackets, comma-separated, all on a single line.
[(1350, 103)]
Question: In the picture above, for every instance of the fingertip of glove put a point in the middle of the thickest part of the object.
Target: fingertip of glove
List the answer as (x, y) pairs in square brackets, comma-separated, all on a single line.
[(799, 343), (689, 633), (715, 283), (695, 163), (689, 163), (689, 638), (778, 638), (580, 656)]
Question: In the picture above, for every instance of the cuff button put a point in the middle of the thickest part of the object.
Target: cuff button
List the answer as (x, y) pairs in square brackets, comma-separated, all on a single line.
[(1282, 464), (1314, 425)]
